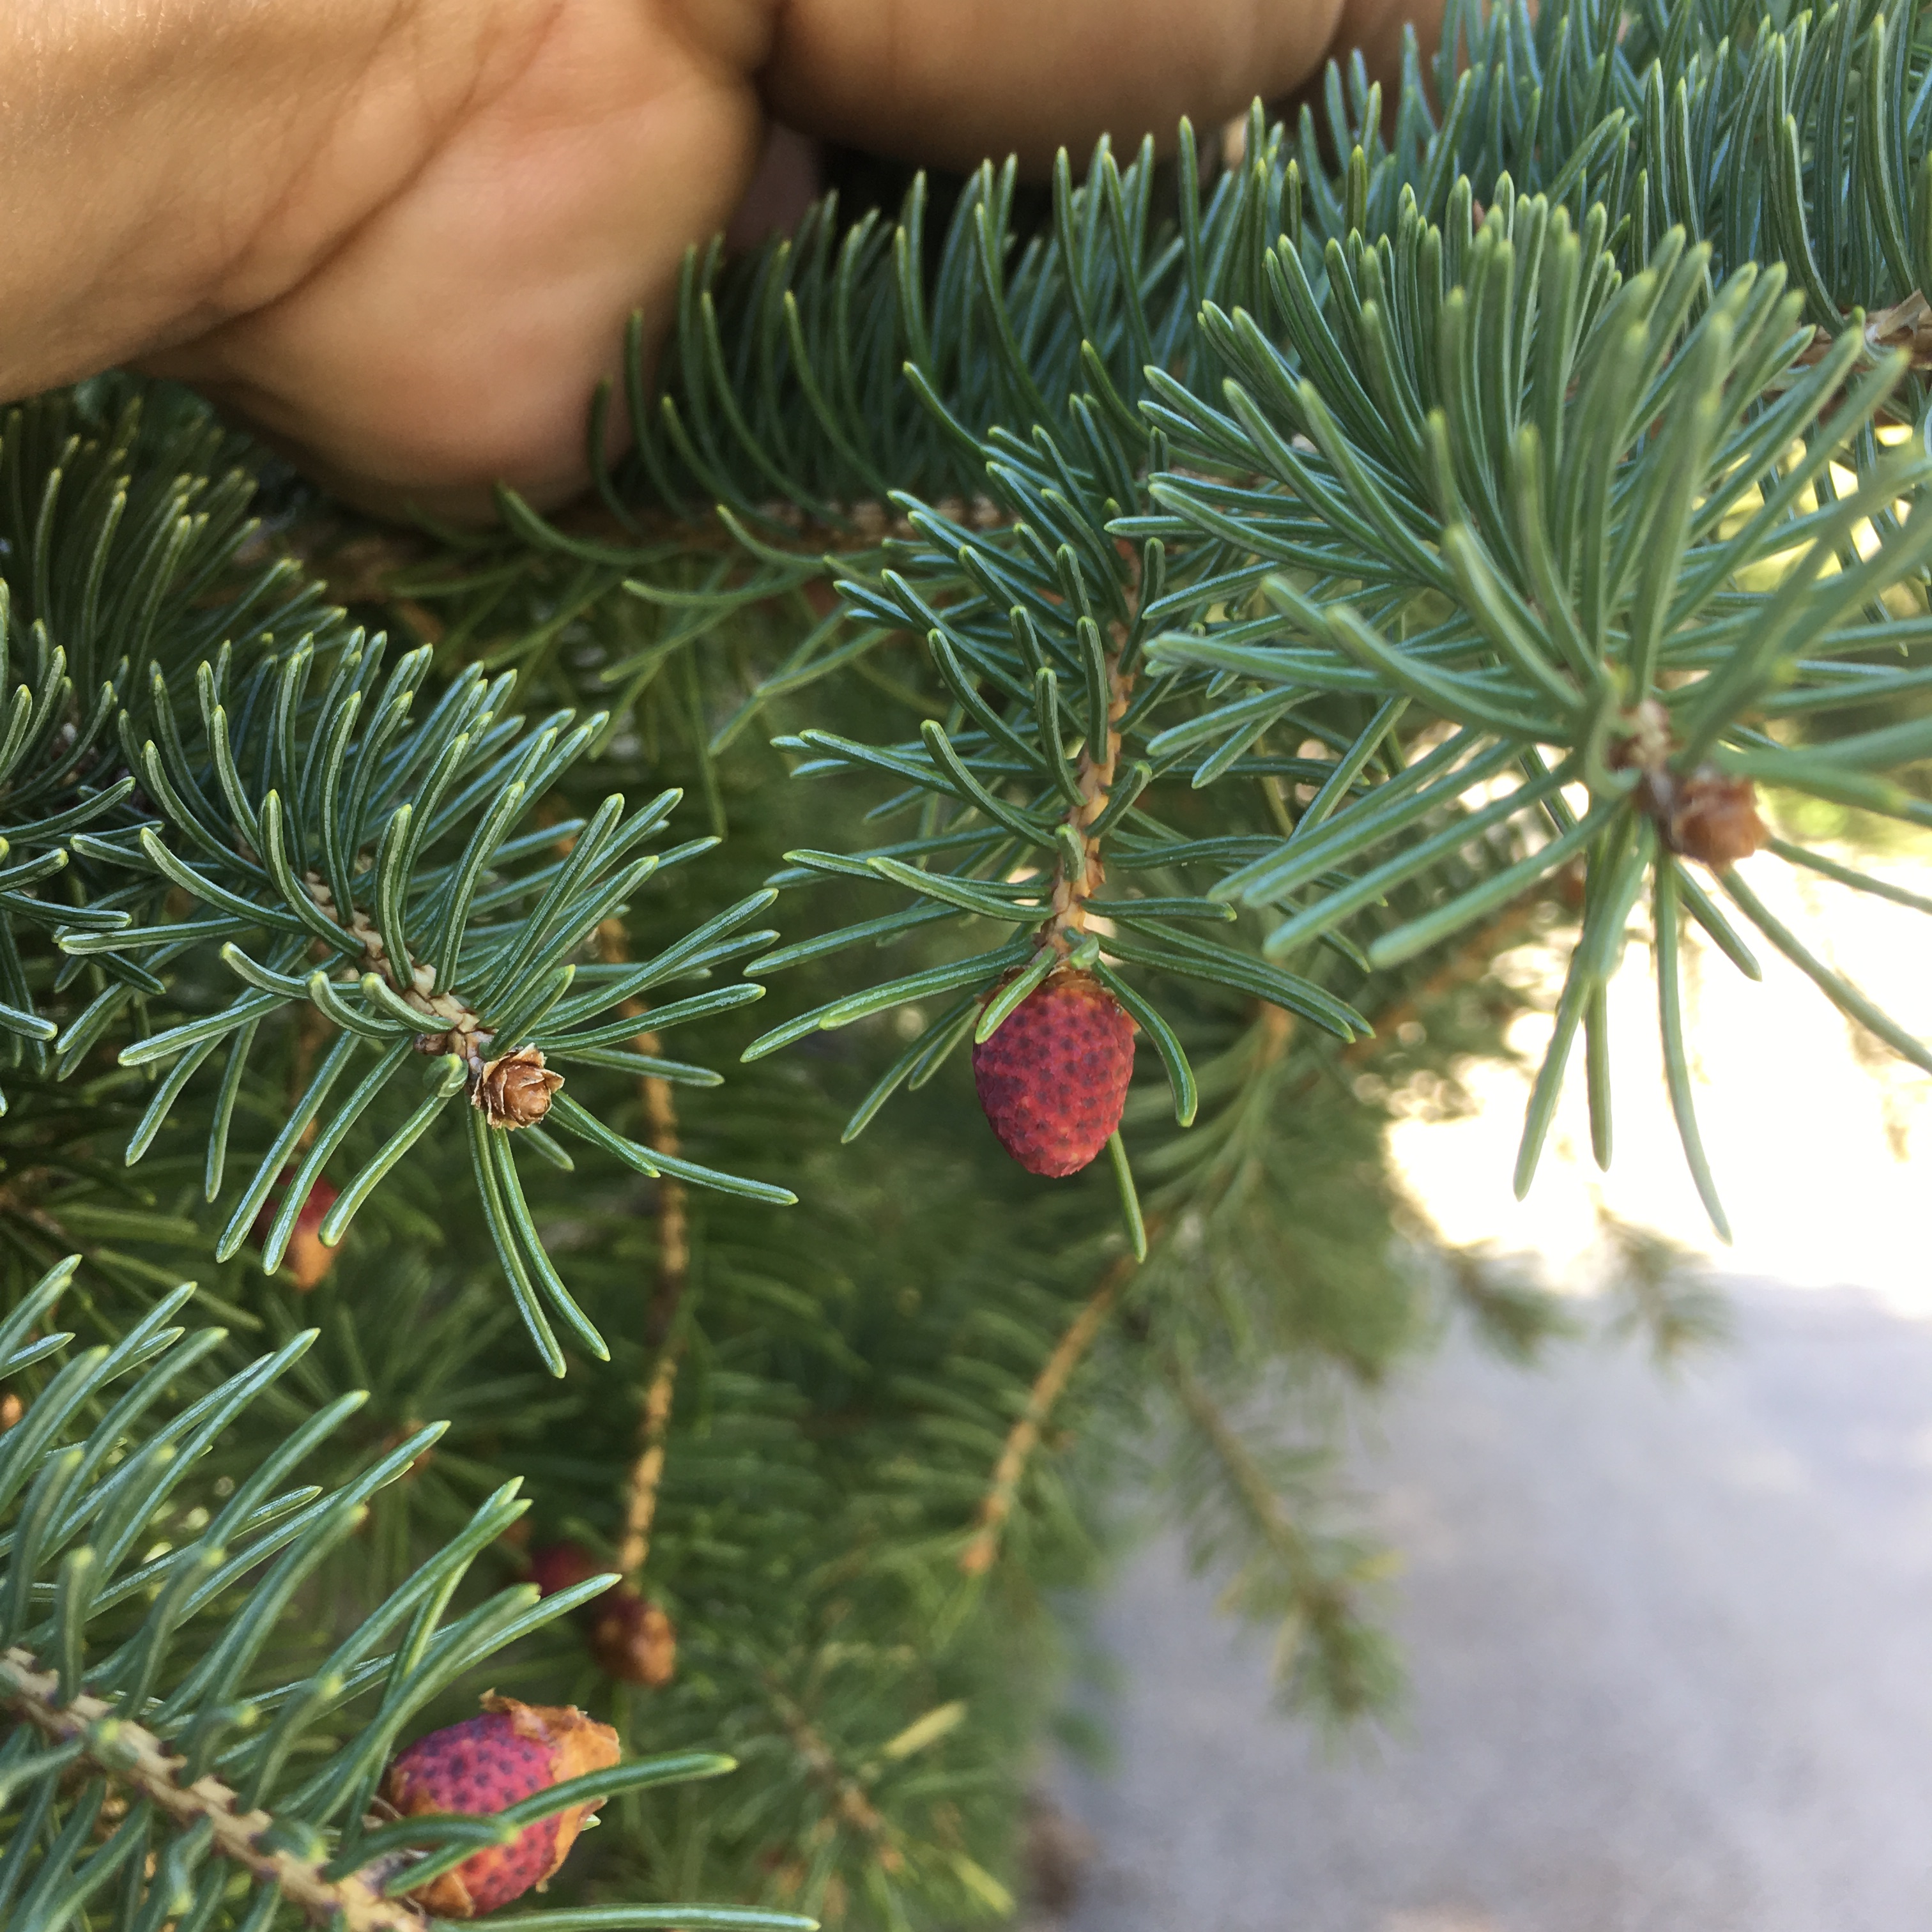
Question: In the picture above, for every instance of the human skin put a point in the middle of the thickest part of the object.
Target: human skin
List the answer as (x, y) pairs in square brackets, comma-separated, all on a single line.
[(400, 238)]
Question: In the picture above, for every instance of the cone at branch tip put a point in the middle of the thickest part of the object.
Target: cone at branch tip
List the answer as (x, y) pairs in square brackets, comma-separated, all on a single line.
[(514, 1089), (1053, 1079), (486, 1764)]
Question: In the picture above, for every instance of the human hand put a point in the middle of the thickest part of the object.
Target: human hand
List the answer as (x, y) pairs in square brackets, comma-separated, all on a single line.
[(401, 237)]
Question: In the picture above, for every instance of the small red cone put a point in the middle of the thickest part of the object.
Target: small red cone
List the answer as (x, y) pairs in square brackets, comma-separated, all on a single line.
[(1054, 1079), (488, 1764), (305, 1257)]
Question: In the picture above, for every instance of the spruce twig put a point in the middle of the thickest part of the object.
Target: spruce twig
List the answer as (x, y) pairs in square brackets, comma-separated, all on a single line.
[(415, 984), (863, 525), (1094, 779), (976, 1558), (1278, 1028), (673, 1228), (1346, 1660), (849, 1801), (1258, 1498), (132, 1756)]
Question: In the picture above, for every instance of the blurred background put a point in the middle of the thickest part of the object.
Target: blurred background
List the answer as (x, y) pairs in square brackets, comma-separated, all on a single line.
[(1668, 1624)]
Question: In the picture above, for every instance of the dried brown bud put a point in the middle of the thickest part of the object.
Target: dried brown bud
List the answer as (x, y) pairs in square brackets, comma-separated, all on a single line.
[(514, 1091), (633, 1639), (1644, 739), (11, 1409), (630, 1637), (1713, 818)]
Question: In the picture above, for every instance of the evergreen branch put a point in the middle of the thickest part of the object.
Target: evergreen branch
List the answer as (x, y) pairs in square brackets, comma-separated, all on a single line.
[(390, 853), (113, 1746), (646, 1474), (1325, 1652), (1078, 872), (1258, 1498), (982, 1548), (849, 1803), (1513, 405), (208, 1755)]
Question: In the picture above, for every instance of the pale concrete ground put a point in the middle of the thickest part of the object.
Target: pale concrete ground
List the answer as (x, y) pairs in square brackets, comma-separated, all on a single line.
[(1670, 1641)]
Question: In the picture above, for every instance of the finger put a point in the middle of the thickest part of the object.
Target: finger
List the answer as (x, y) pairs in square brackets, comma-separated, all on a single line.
[(1376, 27), (941, 82), (455, 337)]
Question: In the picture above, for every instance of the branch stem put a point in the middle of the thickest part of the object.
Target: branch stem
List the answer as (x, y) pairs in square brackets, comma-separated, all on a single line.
[(645, 1476), (996, 1505), (849, 1801), (1093, 778), (1258, 1498), (452, 1021), (132, 1757)]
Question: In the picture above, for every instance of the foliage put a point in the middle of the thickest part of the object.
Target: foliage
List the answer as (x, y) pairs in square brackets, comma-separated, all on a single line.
[(1276, 578)]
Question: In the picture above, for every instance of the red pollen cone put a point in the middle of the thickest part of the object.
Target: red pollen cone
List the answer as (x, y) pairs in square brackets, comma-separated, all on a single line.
[(488, 1764), (1054, 1079)]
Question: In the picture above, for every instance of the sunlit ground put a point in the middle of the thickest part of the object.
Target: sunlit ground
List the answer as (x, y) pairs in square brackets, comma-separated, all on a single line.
[(1667, 1634), (1819, 1135)]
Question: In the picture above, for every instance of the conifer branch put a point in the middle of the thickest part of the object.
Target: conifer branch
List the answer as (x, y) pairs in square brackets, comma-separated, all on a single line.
[(646, 1472), (117, 1748), (1465, 482), (645, 1475), (849, 1803), (983, 1547), (1262, 1506), (1277, 1029), (1342, 1663), (1906, 325), (1094, 780), (851, 528), (453, 1025)]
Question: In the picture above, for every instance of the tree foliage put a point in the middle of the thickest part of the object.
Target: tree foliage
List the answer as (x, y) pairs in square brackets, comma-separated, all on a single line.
[(1277, 577)]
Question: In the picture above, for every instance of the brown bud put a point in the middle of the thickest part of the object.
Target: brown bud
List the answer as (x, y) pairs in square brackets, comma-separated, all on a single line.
[(11, 1409), (630, 1637), (633, 1639), (1713, 818), (514, 1091)]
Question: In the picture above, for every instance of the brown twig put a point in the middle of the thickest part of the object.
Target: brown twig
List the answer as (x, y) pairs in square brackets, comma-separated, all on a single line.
[(1257, 1496), (849, 1801), (674, 1228), (132, 1757), (1093, 779), (976, 1558), (646, 1473), (1906, 325), (452, 1025), (857, 526), (396, 568)]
